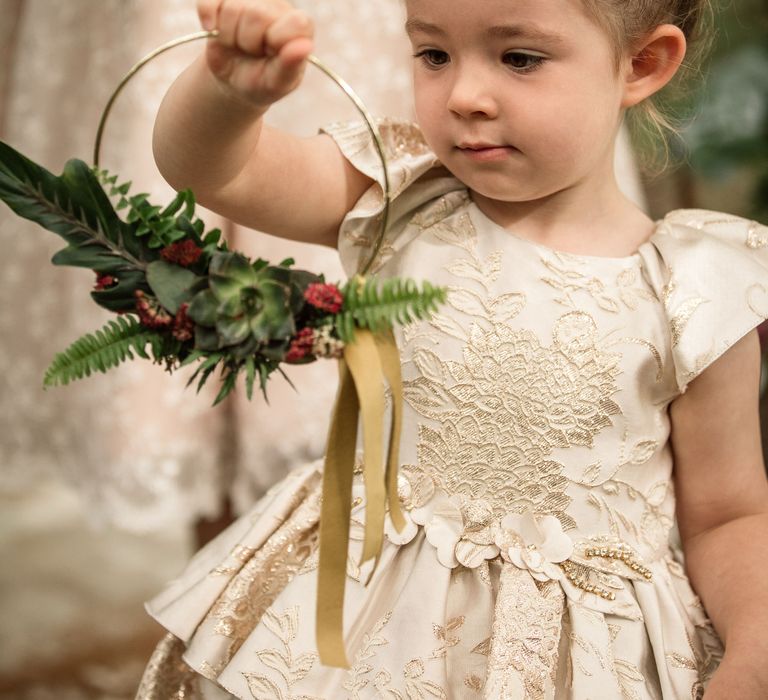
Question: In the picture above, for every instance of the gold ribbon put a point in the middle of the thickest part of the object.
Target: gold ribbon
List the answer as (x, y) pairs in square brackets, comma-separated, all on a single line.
[(368, 361)]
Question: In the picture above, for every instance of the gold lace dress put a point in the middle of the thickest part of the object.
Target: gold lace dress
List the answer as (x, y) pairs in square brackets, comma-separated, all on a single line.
[(535, 473)]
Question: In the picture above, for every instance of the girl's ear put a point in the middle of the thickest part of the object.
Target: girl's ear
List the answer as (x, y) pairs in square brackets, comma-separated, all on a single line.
[(652, 63)]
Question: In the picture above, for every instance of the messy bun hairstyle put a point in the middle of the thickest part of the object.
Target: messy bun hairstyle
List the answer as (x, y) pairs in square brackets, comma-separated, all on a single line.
[(653, 121)]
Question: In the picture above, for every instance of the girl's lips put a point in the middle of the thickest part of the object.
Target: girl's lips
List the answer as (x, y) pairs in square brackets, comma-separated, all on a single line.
[(487, 154)]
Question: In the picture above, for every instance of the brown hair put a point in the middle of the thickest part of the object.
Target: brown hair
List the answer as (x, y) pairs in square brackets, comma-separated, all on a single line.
[(626, 21)]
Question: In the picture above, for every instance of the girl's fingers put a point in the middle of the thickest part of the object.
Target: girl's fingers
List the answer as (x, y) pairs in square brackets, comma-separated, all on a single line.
[(290, 26), (296, 51), (251, 30), (285, 71), (207, 11), (227, 21), (261, 48)]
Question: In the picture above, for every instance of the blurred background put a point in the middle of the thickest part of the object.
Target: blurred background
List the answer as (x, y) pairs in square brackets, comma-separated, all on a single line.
[(107, 486)]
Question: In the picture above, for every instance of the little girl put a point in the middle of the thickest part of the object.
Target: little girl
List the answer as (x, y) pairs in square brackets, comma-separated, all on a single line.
[(591, 381)]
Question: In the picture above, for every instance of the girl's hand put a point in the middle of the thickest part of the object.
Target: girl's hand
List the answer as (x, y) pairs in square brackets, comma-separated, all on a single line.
[(738, 679), (260, 53)]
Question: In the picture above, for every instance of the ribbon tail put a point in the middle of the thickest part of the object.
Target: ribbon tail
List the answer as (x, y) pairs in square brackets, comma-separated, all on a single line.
[(390, 362), (335, 522), (363, 360), (368, 361)]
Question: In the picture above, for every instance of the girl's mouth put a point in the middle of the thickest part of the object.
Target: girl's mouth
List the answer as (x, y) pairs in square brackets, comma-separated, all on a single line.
[(486, 154)]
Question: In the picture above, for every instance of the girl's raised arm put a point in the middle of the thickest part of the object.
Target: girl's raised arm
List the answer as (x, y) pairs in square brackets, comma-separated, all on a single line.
[(209, 134)]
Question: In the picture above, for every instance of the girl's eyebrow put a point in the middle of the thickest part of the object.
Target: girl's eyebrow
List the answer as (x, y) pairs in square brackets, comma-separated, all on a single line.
[(504, 31)]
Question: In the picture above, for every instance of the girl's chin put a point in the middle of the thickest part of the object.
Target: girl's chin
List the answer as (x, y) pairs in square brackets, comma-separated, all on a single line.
[(512, 194)]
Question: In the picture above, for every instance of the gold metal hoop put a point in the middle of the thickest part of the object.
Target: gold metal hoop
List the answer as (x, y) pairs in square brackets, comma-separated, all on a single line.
[(360, 106)]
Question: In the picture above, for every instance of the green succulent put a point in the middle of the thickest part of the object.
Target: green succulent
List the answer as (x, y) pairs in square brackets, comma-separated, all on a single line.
[(247, 305)]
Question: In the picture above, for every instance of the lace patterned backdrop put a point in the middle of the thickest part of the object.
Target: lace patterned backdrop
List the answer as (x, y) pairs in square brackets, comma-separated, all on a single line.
[(142, 452)]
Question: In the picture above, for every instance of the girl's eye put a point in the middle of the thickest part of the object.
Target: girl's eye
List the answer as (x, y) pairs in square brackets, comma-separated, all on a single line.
[(523, 62), (432, 58), (517, 60)]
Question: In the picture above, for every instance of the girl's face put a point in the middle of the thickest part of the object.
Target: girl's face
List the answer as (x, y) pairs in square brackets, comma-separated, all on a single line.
[(534, 78)]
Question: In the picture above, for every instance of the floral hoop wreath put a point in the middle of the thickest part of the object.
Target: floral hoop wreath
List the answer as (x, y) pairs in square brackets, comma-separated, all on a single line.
[(181, 292)]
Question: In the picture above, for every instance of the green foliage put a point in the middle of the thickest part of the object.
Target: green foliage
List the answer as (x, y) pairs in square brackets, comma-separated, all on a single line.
[(379, 304), (173, 285), (160, 227), (100, 351), (75, 207), (253, 365)]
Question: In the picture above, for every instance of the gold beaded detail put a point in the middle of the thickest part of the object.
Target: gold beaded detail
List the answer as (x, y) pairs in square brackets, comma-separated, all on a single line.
[(622, 553), (579, 580)]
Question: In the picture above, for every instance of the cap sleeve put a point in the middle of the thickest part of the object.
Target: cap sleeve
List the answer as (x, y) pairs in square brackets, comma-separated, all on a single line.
[(416, 178), (714, 284)]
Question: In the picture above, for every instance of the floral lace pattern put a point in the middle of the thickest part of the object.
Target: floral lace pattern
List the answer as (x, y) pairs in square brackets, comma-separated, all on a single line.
[(291, 669), (525, 636)]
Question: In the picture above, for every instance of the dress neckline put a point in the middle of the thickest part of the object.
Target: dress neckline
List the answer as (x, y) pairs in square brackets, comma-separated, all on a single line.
[(632, 257)]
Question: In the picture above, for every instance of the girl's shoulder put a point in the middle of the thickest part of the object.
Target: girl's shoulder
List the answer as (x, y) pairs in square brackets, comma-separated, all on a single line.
[(401, 139), (691, 224), (416, 178), (710, 271)]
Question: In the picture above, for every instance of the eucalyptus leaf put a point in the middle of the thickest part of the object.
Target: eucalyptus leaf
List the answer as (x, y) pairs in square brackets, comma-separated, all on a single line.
[(172, 284)]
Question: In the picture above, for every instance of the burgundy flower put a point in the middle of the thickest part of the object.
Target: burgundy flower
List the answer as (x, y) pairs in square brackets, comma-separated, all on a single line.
[(151, 314), (301, 345), (184, 253), (104, 281), (183, 326), (325, 297)]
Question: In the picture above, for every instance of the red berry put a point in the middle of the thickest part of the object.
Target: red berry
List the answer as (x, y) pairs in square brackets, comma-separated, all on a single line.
[(184, 253), (325, 297)]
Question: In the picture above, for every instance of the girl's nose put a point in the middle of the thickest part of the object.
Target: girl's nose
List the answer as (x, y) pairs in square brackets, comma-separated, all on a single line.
[(470, 96)]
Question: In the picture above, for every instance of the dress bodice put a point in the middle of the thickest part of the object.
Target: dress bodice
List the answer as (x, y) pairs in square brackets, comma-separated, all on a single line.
[(541, 388)]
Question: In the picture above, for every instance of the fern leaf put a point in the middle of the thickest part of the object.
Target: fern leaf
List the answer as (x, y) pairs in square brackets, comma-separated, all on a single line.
[(99, 351), (378, 305)]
